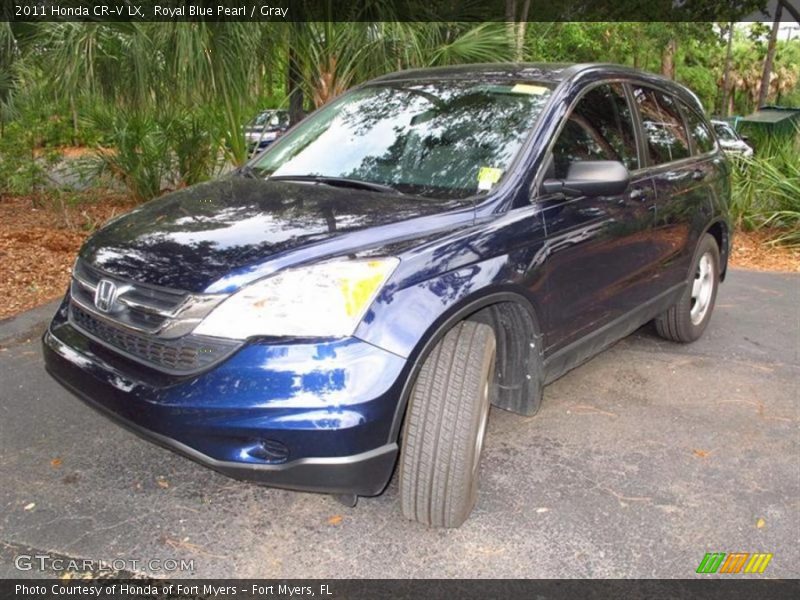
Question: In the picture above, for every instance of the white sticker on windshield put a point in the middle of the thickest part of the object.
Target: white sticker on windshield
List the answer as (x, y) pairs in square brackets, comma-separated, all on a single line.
[(487, 177), (525, 88)]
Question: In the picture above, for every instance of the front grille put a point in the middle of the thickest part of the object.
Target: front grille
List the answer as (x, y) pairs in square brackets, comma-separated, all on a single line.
[(144, 308), (182, 355)]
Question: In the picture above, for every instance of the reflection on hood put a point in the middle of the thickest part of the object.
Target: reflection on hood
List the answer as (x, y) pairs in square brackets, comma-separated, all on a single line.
[(190, 238)]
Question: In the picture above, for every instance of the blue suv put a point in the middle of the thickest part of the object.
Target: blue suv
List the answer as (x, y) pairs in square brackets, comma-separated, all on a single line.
[(430, 243)]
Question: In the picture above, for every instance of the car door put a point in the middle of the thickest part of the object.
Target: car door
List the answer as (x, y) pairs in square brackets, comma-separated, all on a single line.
[(681, 181), (598, 261)]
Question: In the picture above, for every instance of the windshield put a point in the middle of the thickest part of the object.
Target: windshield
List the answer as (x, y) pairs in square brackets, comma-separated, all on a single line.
[(441, 140), (725, 133)]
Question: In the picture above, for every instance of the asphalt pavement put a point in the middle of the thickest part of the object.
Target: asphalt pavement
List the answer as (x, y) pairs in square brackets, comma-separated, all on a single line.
[(639, 462)]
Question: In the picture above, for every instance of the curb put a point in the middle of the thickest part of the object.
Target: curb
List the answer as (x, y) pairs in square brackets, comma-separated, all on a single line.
[(28, 324)]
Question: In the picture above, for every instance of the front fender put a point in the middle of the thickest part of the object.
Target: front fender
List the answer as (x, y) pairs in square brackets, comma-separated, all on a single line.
[(436, 280), (492, 272)]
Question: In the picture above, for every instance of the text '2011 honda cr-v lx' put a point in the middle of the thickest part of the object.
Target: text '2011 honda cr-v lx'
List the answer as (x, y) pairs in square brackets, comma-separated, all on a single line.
[(431, 243)]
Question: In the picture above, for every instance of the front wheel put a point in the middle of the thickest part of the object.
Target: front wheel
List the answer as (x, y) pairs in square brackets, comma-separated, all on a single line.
[(445, 426), (686, 320)]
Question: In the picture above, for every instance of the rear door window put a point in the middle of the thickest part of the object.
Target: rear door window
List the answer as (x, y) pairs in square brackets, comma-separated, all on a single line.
[(599, 128), (664, 130)]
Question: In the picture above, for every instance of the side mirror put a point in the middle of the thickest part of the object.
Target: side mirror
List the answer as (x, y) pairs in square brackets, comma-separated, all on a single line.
[(591, 178), (745, 138)]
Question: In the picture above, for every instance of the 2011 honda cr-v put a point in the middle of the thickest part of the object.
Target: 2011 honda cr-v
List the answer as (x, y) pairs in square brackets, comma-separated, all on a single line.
[(428, 244)]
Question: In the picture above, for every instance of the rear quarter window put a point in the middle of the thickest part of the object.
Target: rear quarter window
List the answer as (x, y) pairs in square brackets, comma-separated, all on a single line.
[(701, 135), (662, 122)]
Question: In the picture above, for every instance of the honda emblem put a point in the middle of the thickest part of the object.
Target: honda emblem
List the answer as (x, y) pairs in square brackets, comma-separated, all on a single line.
[(105, 295)]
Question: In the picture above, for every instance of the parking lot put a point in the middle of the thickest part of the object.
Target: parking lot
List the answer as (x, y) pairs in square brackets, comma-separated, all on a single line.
[(639, 463)]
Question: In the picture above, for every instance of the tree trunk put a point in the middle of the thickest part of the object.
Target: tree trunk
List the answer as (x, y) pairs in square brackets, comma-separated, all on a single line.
[(668, 58), (765, 76), (511, 16), (726, 82), (511, 20), (294, 81), (519, 52)]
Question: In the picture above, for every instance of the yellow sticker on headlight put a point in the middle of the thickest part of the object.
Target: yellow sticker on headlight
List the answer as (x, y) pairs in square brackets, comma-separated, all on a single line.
[(358, 292)]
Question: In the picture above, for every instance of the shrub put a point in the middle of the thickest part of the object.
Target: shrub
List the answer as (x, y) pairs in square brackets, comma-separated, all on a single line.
[(23, 170), (138, 151), (766, 189), (150, 153)]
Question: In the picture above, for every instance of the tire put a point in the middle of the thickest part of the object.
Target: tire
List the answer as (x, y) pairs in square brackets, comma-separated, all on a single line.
[(686, 320), (445, 425)]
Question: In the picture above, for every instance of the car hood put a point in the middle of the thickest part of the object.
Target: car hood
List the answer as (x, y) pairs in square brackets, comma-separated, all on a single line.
[(194, 238)]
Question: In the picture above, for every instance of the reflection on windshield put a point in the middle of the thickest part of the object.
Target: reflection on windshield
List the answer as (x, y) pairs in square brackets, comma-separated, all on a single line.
[(444, 140)]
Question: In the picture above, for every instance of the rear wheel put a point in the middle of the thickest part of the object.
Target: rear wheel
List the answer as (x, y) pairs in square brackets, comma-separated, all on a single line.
[(445, 426), (686, 320)]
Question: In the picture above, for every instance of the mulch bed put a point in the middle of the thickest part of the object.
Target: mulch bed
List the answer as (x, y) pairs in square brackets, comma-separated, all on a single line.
[(751, 250), (38, 245)]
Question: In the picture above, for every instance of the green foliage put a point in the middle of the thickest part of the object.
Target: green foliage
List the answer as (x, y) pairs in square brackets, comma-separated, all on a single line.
[(164, 103), (138, 153), (151, 151), (766, 189), (24, 168), (193, 145)]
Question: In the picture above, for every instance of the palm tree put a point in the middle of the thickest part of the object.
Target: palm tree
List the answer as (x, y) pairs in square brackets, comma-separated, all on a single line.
[(333, 56), (773, 38), (162, 80)]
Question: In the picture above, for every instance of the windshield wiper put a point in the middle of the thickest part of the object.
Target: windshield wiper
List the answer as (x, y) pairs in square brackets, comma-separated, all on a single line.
[(248, 172), (340, 182)]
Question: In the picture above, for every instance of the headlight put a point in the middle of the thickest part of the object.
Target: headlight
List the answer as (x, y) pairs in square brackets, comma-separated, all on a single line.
[(328, 299)]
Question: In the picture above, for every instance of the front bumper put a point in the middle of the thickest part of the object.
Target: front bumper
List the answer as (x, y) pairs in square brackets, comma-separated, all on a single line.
[(312, 416)]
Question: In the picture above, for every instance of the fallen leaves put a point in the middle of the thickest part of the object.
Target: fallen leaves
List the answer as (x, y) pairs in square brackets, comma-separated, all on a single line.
[(185, 544), (77, 575), (37, 248), (56, 463), (162, 482), (750, 251), (335, 520), (701, 453), (760, 523), (30, 506)]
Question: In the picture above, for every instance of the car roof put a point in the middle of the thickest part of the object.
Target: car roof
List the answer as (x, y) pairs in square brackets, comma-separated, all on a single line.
[(541, 72)]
